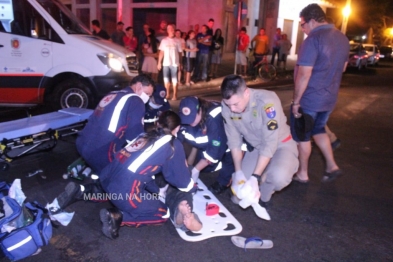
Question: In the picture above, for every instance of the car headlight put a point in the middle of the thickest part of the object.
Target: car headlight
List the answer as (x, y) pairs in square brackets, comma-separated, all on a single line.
[(112, 61)]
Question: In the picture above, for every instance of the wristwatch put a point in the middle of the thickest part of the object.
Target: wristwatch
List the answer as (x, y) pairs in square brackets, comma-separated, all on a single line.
[(258, 177)]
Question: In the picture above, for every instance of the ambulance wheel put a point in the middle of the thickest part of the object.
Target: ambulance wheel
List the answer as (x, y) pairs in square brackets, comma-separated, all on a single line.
[(71, 93)]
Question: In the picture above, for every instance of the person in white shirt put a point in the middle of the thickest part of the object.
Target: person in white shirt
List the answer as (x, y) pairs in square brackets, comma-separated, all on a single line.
[(170, 56)]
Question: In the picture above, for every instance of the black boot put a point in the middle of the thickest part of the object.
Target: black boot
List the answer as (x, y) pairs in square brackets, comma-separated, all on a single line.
[(216, 188), (111, 219)]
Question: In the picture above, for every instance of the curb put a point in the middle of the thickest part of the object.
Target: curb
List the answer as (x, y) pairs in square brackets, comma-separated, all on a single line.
[(283, 79)]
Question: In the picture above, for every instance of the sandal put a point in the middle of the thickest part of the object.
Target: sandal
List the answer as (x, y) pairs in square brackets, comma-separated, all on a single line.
[(251, 243), (330, 176)]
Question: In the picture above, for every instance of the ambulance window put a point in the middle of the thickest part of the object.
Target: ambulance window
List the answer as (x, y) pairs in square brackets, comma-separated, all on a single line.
[(28, 22)]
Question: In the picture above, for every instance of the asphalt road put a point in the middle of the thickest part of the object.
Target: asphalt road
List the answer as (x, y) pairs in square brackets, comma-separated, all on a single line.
[(347, 220)]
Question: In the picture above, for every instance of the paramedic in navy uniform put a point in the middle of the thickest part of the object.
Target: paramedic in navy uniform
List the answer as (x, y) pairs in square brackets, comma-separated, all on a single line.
[(157, 104), (131, 175), (203, 128), (117, 118)]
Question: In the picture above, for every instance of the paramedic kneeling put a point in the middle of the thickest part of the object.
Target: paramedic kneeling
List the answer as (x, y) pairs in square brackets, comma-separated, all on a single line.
[(203, 128), (117, 118), (131, 177), (257, 117)]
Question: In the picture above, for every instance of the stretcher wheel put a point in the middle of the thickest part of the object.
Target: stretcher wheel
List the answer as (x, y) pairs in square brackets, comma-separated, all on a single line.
[(4, 166)]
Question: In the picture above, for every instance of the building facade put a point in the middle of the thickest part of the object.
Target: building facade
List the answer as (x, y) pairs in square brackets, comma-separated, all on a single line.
[(268, 14)]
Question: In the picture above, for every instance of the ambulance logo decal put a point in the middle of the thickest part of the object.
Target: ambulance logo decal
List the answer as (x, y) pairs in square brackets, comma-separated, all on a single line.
[(186, 111), (106, 100), (15, 43)]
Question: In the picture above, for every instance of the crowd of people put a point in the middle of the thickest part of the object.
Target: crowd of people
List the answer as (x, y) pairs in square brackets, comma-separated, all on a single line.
[(244, 137), (198, 52)]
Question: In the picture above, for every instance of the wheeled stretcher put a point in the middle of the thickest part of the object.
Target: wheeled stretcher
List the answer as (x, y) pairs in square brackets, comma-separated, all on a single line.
[(38, 133)]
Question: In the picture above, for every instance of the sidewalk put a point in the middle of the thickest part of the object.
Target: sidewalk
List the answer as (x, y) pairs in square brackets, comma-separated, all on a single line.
[(227, 68)]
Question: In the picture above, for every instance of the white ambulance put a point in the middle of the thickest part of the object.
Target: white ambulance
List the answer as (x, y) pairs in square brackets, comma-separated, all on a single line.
[(48, 56)]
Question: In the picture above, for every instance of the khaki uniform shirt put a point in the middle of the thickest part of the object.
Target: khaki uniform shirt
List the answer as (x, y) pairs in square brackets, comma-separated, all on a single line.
[(263, 123)]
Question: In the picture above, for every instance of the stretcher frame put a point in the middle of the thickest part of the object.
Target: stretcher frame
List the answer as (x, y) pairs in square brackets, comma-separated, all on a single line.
[(39, 133)]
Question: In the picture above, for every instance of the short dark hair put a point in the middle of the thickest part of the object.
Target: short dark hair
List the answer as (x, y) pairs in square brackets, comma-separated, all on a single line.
[(243, 29), (231, 85), (120, 23), (211, 20), (128, 28), (313, 11), (144, 79), (96, 23)]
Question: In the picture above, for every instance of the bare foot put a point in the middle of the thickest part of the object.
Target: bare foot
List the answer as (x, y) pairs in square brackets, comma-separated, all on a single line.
[(191, 222), (186, 217), (174, 98)]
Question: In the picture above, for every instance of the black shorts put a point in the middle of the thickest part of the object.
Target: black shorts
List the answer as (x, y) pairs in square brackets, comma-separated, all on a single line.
[(283, 57), (189, 64)]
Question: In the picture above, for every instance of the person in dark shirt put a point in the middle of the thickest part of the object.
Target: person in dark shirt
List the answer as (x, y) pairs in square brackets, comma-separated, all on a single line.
[(118, 35), (97, 31)]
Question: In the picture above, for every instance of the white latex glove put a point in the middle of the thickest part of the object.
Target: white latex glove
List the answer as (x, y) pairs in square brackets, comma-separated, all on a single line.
[(162, 193), (249, 192), (238, 180), (195, 174), (250, 197)]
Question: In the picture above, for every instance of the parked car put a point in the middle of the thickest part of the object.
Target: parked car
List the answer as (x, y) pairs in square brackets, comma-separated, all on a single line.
[(373, 54), (386, 51), (357, 56)]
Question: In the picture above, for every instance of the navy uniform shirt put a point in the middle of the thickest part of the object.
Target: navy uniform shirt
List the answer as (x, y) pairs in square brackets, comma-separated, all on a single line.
[(135, 166), (212, 139), (117, 118), (152, 114)]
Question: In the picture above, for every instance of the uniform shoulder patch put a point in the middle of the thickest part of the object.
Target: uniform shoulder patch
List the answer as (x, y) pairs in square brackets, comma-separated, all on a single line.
[(269, 110), (106, 100), (272, 125), (216, 143)]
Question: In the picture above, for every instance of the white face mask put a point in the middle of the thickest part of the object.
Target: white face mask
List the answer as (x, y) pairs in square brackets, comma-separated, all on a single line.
[(154, 106), (144, 97)]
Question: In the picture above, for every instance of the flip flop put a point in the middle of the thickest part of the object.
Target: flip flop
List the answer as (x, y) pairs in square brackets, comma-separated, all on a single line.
[(251, 243), (297, 179), (328, 177)]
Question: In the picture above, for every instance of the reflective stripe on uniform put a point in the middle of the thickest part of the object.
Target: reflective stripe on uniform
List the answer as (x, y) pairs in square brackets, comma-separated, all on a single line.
[(198, 140), (219, 166), (189, 186), (206, 155), (215, 111), (116, 113), (150, 120), (148, 152)]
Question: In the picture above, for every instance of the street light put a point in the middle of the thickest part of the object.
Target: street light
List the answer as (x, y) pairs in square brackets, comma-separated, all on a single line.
[(346, 13)]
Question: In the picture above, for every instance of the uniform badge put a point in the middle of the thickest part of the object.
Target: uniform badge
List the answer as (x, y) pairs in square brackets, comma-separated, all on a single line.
[(163, 93), (186, 111), (216, 143), (106, 100), (269, 110), (272, 125), (254, 113)]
